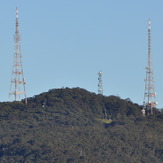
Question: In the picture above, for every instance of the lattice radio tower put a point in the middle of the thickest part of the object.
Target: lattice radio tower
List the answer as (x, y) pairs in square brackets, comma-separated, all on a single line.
[(17, 84), (149, 94), (100, 87)]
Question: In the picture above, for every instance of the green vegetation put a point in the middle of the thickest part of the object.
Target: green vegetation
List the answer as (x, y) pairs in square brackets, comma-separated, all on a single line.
[(106, 121), (61, 126)]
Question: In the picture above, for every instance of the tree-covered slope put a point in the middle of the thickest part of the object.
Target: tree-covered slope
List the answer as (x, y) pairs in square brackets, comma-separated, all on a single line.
[(64, 126)]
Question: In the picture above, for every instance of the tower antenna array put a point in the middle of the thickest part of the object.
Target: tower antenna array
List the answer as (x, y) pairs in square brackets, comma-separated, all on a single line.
[(17, 83), (149, 94), (100, 87)]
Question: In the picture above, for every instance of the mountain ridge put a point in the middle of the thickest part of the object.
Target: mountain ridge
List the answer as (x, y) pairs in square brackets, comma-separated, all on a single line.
[(62, 125)]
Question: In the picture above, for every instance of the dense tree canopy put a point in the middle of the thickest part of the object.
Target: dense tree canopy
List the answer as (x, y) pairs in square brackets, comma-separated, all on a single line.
[(62, 126)]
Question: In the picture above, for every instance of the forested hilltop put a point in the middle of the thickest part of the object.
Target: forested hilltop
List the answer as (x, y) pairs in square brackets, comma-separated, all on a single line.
[(70, 126)]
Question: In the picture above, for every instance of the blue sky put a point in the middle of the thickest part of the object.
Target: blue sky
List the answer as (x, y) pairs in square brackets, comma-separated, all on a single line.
[(66, 42)]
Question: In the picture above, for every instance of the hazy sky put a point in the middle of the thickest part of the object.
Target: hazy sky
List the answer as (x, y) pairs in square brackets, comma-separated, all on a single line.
[(66, 42)]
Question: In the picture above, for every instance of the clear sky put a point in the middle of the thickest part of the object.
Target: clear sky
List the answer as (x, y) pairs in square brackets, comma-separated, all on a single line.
[(66, 42)]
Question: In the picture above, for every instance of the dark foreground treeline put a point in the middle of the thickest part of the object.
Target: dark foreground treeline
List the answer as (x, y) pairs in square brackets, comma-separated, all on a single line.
[(62, 126)]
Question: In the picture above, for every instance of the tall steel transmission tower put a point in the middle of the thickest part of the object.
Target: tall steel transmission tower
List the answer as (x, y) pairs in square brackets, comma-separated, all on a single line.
[(17, 84), (149, 94), (100, 87)]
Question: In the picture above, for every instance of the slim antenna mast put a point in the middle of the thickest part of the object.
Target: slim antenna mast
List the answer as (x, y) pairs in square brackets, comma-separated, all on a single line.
[(17, 84), (149, 94), (100, 87)]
